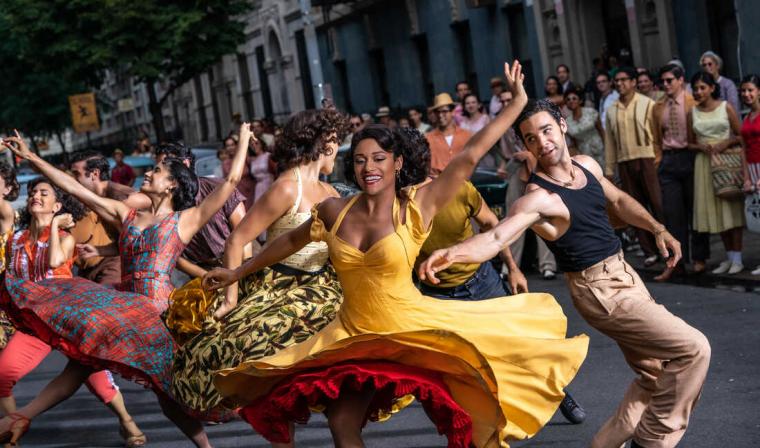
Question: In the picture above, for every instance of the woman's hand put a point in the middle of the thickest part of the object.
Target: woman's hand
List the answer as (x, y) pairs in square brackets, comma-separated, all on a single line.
[(515, 81), (219, 278), (18, 146), (64, 221)]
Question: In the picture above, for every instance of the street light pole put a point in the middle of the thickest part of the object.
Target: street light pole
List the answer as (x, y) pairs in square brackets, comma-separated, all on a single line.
[(312, 51)]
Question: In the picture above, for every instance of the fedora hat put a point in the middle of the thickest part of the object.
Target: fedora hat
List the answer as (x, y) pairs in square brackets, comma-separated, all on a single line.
[(384, 111), (441, 100)]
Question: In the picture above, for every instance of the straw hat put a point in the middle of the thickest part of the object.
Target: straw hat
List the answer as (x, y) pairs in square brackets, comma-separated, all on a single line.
[(384, 111), (441, 100)]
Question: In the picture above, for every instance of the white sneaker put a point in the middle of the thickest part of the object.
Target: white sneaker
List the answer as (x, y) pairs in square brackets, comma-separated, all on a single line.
[(722, 268), (735, 268), (756, 271), (549, 274)]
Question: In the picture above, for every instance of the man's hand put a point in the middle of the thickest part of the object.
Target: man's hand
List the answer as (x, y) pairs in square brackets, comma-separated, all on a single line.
[(87, 251), (437, 262), (666, 241), (517, 281)]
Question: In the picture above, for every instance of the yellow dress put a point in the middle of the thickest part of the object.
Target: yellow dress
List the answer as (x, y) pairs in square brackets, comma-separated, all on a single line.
[(505, 361)]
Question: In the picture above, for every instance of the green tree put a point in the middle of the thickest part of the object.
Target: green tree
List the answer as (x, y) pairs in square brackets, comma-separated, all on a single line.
[(168, 41), (33, 101)]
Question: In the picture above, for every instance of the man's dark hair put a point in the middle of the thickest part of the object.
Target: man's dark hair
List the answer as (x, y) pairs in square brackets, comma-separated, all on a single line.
[(532, 108), (460, 83), (420, 110), (561, 66), (93, 161), (602, 73), (646, 73), (673, 69), (630, 71), (177, 151)]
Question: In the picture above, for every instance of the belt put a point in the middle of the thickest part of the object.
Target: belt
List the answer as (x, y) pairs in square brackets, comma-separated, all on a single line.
[(672, 150), (288, 270)]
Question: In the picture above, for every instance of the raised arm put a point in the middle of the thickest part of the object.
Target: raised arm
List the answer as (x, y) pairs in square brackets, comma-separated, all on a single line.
[(280, 249), (273, 204), (113, 212), (437, 193), (484, 246), (193, 219)]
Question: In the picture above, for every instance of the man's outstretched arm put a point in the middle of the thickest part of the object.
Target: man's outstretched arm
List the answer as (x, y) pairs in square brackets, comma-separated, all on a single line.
[(484, 246)]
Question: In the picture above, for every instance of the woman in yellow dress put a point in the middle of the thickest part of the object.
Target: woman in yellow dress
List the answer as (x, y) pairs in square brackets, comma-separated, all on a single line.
[(486, 372)]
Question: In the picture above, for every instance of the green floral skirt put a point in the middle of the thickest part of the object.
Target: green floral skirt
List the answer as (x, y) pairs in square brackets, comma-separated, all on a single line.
[(274, 310), (6, 330)]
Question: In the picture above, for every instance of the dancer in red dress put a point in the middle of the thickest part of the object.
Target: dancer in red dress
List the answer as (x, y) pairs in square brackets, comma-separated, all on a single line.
[(118, 330)]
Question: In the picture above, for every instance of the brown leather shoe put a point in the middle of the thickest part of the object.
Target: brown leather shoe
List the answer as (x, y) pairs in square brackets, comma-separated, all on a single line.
[(668, 273), (699, 267)]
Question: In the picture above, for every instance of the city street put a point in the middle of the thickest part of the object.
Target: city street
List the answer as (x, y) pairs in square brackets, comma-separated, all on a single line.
[(726, 416)]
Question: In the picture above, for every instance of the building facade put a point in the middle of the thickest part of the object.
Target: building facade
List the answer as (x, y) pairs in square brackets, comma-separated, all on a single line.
[(269, 75), (365, 54), (399, 53)]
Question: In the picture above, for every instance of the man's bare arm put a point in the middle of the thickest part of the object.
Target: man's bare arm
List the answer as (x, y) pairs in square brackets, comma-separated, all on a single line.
[(484, 246)]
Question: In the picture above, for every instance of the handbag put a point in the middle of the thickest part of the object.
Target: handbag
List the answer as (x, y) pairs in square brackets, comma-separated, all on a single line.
[(752, 212), (727, 175)]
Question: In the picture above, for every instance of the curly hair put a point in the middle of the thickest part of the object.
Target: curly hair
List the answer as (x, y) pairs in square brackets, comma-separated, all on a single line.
[(183, 196), (93, 161), (8, 173), (69, 204), (707, 79), (176, 151), (408, 143), (306, 135), (533, 107)]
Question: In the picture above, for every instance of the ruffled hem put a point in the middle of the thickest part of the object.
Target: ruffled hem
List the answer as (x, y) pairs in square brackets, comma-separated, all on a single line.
[(29, 321), (293, 398)]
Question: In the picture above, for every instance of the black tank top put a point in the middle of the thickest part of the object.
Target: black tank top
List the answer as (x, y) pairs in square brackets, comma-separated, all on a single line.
[(590, 237)]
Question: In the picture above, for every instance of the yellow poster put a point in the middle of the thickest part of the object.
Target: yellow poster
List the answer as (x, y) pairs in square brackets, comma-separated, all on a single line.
[(84, 114)]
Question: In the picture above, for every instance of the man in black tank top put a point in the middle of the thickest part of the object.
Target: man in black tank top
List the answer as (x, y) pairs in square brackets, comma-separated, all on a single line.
[(565, 205)]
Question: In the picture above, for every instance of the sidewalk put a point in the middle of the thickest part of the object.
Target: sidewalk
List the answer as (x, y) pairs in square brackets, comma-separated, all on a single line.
[(743, 280)]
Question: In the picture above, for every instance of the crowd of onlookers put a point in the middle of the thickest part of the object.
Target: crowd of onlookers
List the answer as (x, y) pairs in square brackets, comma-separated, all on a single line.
[(686, 146)]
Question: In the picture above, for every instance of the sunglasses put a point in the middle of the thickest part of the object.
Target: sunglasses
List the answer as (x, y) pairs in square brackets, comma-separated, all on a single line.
[(356, 125)]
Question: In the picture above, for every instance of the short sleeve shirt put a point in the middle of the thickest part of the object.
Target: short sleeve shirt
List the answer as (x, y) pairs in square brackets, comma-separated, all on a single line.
[(452, 225)]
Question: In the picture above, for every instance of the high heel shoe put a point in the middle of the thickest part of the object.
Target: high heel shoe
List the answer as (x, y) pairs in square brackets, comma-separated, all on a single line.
[(132, 441), (18, 426)]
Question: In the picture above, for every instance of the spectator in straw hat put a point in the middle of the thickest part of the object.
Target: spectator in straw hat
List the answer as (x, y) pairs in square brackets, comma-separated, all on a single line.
[(494, 106), (447, 139), (383, 115)]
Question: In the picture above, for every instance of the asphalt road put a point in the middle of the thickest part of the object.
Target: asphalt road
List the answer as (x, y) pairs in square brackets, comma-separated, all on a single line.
[(728, 414)]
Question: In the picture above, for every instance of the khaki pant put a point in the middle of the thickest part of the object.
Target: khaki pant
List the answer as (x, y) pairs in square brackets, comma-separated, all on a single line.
[(670, 357)]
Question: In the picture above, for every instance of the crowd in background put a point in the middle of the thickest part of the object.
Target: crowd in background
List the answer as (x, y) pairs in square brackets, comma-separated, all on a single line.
[(668, 170)]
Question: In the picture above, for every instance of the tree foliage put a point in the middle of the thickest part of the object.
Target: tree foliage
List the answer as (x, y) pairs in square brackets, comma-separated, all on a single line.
[(74, 42)]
